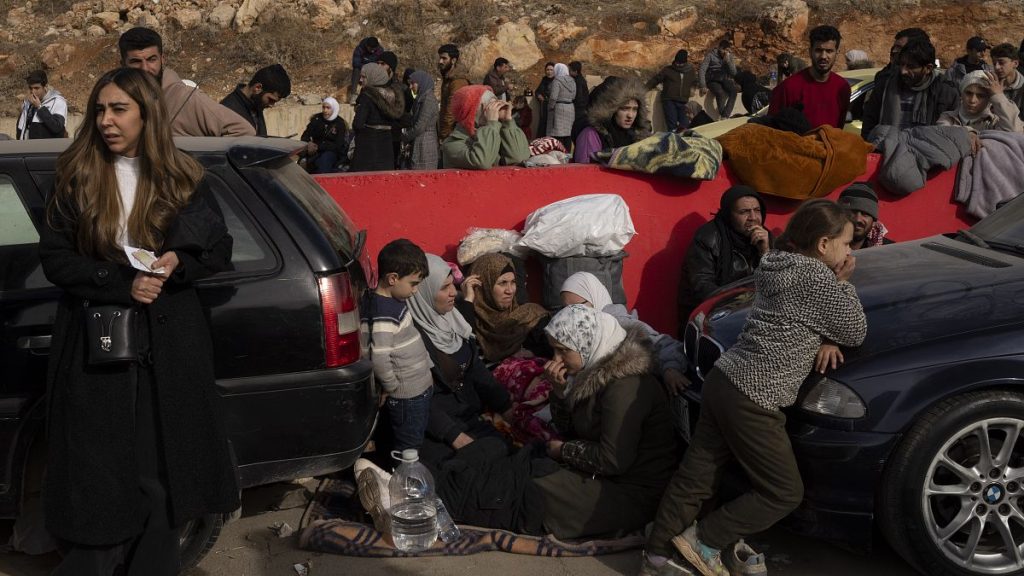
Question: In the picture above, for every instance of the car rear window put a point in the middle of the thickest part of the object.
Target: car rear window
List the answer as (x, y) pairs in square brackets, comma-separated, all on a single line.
[(332, 220)]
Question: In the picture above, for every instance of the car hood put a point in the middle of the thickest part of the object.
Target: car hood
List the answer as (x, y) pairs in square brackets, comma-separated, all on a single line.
[(912, 292)]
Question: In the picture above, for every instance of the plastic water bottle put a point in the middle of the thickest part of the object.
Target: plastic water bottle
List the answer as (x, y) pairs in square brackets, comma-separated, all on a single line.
[(446, 528), (413, 504), (773, 78)]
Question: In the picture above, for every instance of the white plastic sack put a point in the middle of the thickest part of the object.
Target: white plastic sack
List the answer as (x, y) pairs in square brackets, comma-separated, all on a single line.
[(588, 225), (480, 241)]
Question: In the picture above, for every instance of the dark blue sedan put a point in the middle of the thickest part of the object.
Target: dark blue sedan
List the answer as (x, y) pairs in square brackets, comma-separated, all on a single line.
[(919, 431)]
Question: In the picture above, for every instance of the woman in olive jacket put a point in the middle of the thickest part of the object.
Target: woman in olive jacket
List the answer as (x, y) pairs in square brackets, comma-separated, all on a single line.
[(136, 449)]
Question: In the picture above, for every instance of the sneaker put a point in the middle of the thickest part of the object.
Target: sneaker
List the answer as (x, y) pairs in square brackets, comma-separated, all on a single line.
[(707, 560), (669, 568), (373, 493), (743, 561)]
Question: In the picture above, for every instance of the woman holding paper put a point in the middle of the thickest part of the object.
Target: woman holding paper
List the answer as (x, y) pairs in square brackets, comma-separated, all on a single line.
[(135, 445)]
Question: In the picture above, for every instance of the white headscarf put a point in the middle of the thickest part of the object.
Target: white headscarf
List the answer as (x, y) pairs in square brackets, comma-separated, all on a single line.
[(590, 332), (335, 108), (561, 70), (485, 99), (587, 286), (448, 332), (979, 78)]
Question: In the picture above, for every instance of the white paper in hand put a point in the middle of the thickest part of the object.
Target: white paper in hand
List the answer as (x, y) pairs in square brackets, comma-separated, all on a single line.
[(142, 259)]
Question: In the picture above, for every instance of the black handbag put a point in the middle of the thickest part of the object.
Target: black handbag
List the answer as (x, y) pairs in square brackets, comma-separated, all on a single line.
[(110, 332)]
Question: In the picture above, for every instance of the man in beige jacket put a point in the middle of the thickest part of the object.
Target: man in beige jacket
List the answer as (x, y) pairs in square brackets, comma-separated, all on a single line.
[(192, 112)]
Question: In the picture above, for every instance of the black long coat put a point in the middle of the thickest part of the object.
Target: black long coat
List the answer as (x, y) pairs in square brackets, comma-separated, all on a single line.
[(92, 493)]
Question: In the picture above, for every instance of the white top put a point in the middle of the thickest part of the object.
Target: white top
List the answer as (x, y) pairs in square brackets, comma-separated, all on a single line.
[(127, 171)]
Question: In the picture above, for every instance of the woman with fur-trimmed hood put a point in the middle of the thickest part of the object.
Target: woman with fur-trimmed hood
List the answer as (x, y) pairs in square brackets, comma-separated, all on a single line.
[(378, 104), (617, 116)]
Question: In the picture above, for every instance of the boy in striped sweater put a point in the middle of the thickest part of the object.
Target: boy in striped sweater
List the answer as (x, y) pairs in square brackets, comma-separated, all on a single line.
[(400, 361)]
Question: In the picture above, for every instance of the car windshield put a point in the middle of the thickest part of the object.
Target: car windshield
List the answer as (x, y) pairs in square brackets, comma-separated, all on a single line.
[(1005, 226)]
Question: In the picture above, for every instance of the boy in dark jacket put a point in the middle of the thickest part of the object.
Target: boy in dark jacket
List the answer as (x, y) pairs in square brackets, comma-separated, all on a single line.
[(677, 82)]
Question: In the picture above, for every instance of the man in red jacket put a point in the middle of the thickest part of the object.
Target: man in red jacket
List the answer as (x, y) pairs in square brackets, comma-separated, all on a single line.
[(823, 97)]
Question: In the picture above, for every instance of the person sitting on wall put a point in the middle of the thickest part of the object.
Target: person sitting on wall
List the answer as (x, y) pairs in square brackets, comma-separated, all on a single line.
[(617, 116), (695, 114), (726, 249), (861, 199), (325, 139), (485, 134)]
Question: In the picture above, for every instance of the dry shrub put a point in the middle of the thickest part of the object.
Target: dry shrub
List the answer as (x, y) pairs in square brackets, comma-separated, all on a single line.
[(404, 22), (287, 40), (469, 18)]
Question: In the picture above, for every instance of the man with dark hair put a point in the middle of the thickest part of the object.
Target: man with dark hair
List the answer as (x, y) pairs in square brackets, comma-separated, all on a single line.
[(368, 50), (44, 112), (977, 49), (542, 93), (786, 65), (917, 96), (268, 85), (191, 111), (724, 250), (872, 109), (582, 98), (496, 78), (389, 60), (823, 97), (1006, 61), (861, 199), (716, 74), (677, 80), (451, 81)]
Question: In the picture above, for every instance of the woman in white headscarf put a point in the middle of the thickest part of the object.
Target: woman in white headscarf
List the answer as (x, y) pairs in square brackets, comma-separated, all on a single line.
[(619, 448), (983, 105), (561, 112), (325, 138), (463, 387), (584, 288)]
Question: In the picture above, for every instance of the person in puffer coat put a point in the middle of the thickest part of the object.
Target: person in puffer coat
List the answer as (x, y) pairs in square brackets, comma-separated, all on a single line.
[(617, 116), (378, 105), (561, 113), (804, 309)]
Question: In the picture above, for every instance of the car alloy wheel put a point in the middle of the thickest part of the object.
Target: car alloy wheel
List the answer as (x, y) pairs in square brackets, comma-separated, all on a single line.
[(973, 497)]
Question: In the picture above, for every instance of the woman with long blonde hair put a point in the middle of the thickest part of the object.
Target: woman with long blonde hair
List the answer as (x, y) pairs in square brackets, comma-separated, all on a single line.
[(136, 449)]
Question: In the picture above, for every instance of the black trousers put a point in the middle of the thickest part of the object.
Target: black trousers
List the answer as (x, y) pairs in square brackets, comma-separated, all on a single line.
[(154, 552)]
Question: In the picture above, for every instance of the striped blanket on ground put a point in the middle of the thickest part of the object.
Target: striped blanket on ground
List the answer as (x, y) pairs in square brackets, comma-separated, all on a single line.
[(328, 527)]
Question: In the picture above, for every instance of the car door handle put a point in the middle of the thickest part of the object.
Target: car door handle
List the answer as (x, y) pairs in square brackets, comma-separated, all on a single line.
[(34, 342)]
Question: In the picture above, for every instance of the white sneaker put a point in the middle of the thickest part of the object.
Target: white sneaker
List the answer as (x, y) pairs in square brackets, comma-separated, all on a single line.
[(744, 561), (373, 492)]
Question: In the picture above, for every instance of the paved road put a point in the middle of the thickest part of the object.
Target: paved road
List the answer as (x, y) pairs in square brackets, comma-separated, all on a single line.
[(248, 548)]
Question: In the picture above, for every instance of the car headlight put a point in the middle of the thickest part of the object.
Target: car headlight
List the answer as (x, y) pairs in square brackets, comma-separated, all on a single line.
[(833, 398)]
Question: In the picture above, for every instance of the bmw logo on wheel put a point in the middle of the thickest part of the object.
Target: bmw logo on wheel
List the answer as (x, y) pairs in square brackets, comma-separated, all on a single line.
[(993, 494)]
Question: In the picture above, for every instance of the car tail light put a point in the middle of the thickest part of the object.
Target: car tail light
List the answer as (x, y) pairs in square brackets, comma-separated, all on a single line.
[(341, 320)]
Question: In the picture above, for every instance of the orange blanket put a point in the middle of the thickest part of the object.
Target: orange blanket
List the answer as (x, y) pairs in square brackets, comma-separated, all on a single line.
[(793, 166)]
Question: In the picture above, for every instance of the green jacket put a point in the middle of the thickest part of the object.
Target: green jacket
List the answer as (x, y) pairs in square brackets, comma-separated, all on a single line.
[(620, 449), (495, 143)]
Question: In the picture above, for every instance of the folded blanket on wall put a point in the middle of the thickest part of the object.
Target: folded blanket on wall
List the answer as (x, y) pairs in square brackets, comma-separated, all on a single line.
[(996, 174), (793, 166), (908, 155), (684, 156)]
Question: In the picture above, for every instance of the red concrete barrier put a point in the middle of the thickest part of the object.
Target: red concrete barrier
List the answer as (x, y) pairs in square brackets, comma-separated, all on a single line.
[(435, 208)]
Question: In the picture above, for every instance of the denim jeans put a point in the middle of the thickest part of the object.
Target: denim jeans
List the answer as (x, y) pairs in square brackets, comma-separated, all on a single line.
[(409, 419), (675, 115), (325, 162)]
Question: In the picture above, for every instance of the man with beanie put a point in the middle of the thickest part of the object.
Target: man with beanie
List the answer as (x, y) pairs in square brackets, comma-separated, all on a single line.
[(726, 249), (451, 81), (368, 50), (860, 197), (485, 134), (977, 50), (268, 85), (676, 81)]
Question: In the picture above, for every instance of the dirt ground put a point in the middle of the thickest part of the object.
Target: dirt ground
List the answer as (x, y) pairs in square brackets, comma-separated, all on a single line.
[(248, 547)]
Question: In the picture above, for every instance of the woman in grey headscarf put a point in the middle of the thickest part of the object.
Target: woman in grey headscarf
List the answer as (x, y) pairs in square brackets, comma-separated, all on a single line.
[(561, 113), (983, 105), (463, 387), (423, 133)]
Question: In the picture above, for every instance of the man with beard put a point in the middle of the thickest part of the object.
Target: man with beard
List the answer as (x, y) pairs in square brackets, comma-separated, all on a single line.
[(192, 112), (496, 79), (823, 97), (447, 62), (726, 249), (1006, 61), (872, 106), (917, 96), (860, 198), (677, 80), (268, 85)]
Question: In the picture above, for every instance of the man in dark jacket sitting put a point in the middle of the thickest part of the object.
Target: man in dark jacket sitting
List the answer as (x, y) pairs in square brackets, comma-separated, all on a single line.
[(726, 249), (677, 81), (916, 96)]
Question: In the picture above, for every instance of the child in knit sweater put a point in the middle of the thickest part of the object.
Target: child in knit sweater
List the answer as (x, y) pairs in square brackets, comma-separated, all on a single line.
[(804, 309), (401, 365)]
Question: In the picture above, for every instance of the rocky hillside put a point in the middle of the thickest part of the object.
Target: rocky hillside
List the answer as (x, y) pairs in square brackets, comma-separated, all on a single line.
[(218, 43)]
